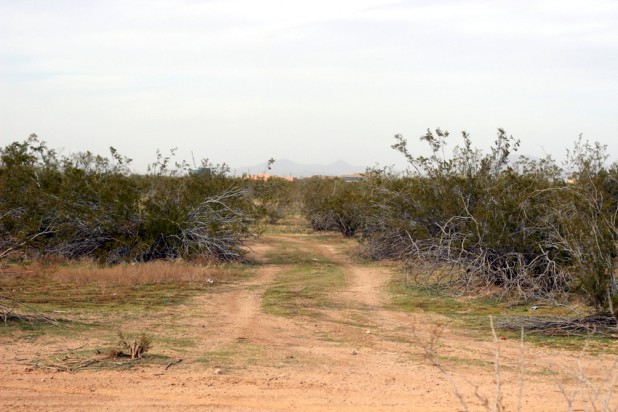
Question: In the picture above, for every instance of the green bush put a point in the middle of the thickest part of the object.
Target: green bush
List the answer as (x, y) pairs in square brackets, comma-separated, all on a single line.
[(84, 205), (274, 198), (530, 227), (334, 204)]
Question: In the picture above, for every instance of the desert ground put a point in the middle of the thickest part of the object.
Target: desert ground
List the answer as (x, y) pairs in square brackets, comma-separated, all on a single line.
[(308, 326)]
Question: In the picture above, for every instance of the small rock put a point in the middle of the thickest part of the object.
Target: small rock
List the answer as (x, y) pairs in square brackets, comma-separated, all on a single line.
[(218, 371), (368, 331), (354, 352)]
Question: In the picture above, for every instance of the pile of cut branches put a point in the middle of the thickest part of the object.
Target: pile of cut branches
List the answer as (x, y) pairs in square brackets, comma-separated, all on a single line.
[(600, 324)]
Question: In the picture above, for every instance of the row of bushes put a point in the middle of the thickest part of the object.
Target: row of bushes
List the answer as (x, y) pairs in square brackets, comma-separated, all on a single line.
[(530, 227), (85, 205)]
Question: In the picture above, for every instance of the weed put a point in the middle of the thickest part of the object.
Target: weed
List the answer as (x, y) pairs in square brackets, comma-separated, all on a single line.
[(576, 386), (135, 347)]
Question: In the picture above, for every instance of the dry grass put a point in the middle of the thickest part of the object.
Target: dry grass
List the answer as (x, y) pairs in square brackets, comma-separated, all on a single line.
[(87, 272), (85, 288)]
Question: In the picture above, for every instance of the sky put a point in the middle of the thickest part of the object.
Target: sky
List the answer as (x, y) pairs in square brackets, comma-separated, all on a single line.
[(241, 81)]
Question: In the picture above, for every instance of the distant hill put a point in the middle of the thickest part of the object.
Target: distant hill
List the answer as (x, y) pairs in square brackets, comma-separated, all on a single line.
[(286, 167)]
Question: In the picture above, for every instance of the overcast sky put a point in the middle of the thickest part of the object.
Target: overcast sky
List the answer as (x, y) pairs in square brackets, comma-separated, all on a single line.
[(240, 81)]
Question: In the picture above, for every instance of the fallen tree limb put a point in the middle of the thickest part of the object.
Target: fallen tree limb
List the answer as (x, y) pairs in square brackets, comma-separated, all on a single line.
[(177, 361), (604, 325)]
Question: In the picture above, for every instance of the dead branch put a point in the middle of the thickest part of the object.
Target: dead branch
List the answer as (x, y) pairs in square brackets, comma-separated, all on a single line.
[(584, 326), (12, 309), (177, 361)]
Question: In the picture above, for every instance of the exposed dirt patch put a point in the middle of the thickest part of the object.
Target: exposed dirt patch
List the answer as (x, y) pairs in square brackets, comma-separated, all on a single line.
[(354, 352)]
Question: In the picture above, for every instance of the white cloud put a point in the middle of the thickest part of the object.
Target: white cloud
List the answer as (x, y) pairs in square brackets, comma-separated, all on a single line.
[(243, 80)]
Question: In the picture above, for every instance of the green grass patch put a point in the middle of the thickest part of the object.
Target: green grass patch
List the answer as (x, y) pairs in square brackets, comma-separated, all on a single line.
[(289, 225), (45, 294), (173, 343), (327, 337), (418, 299), (292, 254), (81, 307), (455, 360), (304, 290), (472, 314), (221, 358), (17, 330), (58, 300), (238, 354)]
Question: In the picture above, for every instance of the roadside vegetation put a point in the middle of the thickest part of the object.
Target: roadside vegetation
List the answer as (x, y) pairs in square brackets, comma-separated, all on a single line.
[(89, 206), (81, 229), (138, 269), (467, 221)]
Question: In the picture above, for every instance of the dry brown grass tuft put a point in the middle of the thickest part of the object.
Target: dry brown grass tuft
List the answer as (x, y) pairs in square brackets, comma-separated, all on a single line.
[(87, 272)]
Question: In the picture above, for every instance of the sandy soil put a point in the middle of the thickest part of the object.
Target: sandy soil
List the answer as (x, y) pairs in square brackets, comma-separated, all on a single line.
[(362, 355)]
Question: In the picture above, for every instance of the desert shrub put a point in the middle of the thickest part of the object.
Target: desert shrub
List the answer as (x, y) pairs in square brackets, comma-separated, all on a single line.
[(85, 205), (334, 204), (519, 226), (134, 346), (189, 214), (532, 228), (274, 197)]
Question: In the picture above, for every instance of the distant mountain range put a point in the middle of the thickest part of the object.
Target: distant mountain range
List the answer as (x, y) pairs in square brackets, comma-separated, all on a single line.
[(286, 167)]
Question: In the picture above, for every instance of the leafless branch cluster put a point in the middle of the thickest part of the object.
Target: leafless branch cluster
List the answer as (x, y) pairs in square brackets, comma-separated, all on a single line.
[(12, 309), (217, 228), (464, 251), (550, 325)]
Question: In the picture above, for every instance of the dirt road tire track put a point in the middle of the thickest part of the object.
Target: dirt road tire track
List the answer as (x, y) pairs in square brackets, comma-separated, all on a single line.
[(362, 356)]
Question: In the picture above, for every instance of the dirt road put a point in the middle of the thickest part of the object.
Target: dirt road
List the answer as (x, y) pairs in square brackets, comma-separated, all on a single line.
[(271, 342)]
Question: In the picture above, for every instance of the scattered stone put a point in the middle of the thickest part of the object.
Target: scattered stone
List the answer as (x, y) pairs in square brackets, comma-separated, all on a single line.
[(218, 371)]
